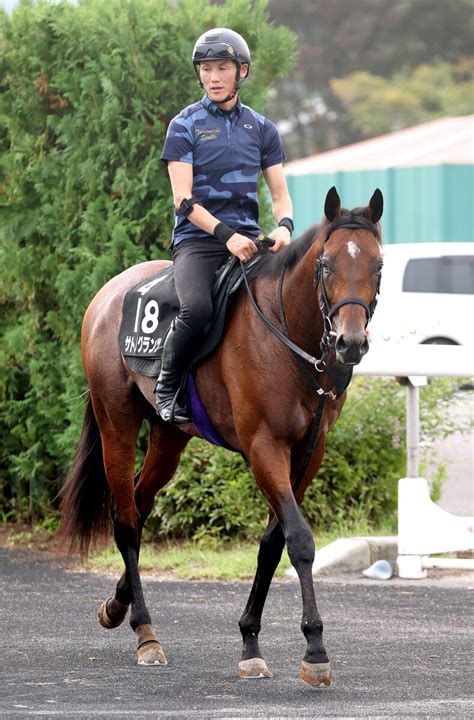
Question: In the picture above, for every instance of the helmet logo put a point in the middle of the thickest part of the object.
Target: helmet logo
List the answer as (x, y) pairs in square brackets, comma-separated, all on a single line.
[(231, 50)]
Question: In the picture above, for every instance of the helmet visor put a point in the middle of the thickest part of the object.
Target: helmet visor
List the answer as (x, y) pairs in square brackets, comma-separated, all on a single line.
[(216, 51)]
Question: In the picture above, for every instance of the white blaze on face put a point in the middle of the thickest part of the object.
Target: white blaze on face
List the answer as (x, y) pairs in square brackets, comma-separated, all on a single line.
[(352, 249)]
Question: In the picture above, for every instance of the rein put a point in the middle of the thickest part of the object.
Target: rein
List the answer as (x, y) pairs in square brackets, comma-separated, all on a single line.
[(284, 339)]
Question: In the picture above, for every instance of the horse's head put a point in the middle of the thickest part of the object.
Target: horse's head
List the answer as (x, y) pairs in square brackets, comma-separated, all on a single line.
[(348, 275)]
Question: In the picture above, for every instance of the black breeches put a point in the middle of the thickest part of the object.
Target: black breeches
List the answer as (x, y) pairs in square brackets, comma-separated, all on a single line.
[(195, 265)]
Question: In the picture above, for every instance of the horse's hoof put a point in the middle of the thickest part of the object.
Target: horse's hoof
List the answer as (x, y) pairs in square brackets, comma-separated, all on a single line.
[(119, 612), (149, 650), (315, 674), (254, 668), (151, 653)]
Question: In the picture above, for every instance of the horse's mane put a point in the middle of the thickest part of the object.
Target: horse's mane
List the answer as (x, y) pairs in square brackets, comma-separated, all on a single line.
[(272, 264)]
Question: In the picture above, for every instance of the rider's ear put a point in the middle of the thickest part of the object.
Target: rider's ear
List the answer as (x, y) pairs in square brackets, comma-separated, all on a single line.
[(332, 206), (375, 208)]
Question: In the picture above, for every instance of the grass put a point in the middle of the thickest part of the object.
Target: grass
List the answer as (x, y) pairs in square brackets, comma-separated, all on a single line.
[(190, 561), (186, 560), (233, 561)]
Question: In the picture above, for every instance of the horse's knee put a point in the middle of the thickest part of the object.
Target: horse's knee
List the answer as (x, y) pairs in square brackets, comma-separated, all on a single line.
[(300, 546)]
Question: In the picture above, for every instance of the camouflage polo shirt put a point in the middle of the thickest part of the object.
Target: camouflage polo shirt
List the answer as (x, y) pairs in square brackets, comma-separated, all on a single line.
[(227, 151)]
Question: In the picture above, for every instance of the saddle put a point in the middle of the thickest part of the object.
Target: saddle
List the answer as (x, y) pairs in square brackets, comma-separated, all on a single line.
[(148, 311), (150, 307)]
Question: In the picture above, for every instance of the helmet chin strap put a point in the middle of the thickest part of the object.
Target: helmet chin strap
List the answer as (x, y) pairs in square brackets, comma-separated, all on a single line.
[(237, 86), (229, 97)]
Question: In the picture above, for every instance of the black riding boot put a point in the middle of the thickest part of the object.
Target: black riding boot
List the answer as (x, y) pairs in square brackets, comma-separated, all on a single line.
[(175, 357)]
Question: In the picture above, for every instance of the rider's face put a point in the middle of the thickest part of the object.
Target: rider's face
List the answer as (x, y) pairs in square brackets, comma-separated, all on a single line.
[(218, 78)]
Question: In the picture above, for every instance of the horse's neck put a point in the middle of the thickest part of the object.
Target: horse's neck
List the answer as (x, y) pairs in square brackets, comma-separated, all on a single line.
[(300, 302)]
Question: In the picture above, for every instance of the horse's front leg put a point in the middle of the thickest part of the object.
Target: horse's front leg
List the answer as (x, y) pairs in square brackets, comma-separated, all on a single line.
[(252, 664), (271, 466)]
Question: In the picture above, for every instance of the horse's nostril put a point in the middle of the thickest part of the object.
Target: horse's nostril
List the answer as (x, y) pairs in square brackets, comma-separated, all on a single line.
[(346, 343), (341, 344)]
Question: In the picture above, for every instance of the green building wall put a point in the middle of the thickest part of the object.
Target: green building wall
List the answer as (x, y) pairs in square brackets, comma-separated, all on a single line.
[(422, 204)]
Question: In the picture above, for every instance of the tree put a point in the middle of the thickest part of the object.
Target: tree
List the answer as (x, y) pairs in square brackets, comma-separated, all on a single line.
[(378, 105), (341, 37)]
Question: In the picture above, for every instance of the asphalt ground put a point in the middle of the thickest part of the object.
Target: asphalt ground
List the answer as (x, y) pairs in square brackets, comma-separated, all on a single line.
[(398, 649)]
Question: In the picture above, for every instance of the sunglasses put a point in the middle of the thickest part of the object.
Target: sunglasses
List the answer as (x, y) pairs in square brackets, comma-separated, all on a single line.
[(218, 50)]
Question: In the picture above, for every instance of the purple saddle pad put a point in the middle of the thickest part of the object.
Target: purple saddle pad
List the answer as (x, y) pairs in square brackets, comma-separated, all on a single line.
[(199, 415)]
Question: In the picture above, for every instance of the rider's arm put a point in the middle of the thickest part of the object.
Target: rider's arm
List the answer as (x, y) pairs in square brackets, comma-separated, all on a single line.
[(181, 177), (281, 203)]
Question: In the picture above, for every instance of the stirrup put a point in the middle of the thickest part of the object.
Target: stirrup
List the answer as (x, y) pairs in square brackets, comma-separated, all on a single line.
[(170, 411)]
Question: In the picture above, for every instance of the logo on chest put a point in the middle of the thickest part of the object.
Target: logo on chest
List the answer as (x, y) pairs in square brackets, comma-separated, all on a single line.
[(208, 134)]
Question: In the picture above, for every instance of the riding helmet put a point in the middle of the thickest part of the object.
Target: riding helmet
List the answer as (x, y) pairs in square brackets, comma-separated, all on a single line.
[(222, 43)]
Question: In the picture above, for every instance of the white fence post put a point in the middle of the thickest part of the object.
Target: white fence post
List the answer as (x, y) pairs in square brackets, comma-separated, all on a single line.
[(424, 528)]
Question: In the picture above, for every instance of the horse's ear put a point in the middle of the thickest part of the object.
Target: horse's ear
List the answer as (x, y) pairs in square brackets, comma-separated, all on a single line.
[(332, 206), (375, 208)]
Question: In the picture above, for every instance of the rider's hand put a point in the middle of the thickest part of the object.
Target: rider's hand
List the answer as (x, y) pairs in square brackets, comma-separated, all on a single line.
[(282, 237), (241, 246)]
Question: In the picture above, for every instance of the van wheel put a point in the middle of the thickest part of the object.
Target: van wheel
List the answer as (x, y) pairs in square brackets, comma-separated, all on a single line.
[(439, 341)]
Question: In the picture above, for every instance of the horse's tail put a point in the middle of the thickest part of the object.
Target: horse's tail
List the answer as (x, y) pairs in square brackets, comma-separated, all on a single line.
[(85, 504)]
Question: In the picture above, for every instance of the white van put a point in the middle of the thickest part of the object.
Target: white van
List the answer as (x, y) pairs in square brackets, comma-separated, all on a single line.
[(426, 294)]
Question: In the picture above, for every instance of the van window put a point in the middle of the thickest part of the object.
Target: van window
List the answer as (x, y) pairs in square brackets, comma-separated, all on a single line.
[(449, 274)]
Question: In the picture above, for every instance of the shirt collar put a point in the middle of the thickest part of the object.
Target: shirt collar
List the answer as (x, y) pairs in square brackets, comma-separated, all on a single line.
[(215, 109)]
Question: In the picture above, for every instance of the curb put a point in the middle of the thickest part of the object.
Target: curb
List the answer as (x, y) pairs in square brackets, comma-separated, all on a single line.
[(352, 555)]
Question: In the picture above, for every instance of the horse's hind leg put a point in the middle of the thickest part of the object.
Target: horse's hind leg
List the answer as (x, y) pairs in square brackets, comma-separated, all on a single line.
[(166, 444), (252, 664), (164, 449), (119, 426)]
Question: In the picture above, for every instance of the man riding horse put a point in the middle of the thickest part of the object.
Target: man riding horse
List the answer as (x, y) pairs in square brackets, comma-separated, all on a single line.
[(215, 150), (321, 289)]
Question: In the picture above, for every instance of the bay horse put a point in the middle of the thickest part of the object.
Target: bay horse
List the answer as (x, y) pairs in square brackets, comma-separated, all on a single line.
[(261, 397)]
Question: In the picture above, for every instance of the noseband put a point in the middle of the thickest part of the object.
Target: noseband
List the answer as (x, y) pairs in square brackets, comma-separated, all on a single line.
[(356, 222)]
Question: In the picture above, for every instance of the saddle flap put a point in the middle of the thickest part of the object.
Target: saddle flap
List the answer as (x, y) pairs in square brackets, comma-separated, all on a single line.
[(150, 307)]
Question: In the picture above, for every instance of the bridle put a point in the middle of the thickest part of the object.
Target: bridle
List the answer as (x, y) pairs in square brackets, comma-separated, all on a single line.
[(327, 340), (357, 222)]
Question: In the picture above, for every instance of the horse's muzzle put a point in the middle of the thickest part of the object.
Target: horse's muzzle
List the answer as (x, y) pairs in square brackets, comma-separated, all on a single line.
[(351, 348)]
